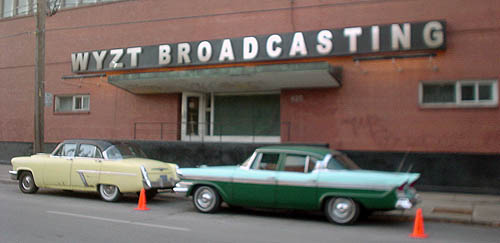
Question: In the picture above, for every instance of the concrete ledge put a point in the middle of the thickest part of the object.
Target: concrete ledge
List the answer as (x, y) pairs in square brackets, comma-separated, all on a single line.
[(435, 218)]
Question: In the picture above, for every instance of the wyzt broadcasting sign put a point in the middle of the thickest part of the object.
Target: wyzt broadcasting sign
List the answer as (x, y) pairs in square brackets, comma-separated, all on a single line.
[(329, 42)]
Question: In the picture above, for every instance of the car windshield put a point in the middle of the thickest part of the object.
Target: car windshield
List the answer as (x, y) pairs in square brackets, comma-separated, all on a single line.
[(341, 162), (123, 151), (249, 161)]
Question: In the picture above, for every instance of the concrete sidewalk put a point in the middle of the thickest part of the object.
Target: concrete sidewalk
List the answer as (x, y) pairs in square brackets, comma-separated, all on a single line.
[(436, 206)]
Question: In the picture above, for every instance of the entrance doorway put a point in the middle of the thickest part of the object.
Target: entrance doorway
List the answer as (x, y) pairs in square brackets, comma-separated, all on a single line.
[(196, 116), (231, 117)]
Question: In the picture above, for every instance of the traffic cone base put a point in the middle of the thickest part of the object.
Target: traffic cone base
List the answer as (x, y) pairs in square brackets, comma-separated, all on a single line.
[(418, 228), (142, 201)]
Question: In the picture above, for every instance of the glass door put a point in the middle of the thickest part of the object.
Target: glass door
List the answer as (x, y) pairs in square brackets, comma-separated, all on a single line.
[(196, 116)]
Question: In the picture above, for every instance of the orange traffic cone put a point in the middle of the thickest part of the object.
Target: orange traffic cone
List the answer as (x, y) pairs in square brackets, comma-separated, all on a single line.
[(142, 201), (418, 228)]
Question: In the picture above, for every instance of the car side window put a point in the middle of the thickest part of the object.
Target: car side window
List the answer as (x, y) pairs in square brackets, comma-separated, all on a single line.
[(88, 151), (333, 164), (295, 163), (299, 163), (67, 150), (266, 161)]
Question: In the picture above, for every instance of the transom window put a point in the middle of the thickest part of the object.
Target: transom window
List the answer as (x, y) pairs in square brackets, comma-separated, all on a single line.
[(463, 93), (74, 103)]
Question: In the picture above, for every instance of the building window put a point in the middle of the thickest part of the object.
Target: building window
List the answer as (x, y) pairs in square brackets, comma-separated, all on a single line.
[(10, 8), (462, 93), (75, 3), (72, 103), (231, 118)]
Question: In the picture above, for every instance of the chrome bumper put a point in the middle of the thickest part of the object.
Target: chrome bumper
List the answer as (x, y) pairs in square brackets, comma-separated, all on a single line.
[(13, 174), (406, 203), (182, 187), (162, 183)]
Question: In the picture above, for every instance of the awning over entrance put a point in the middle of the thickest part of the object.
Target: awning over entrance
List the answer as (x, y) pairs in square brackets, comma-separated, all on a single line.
[(232, 79)]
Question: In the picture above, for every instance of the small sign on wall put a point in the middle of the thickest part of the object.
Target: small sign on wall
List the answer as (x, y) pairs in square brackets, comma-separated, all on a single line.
[(48, 99), (297, 99)]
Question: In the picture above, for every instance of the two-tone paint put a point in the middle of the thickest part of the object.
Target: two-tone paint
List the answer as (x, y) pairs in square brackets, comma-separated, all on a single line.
[(245, 186), (129, 174)]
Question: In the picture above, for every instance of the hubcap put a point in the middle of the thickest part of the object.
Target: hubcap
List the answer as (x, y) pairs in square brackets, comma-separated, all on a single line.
[(205, 198), (108, 191), (342, 210), (27, 182)]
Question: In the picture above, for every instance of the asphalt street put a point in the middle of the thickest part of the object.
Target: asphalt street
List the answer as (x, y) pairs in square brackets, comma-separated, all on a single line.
[(58, 216)]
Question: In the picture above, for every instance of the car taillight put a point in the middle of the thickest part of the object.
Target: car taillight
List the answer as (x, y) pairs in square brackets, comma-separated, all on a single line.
[(412, 185), (402, 187)]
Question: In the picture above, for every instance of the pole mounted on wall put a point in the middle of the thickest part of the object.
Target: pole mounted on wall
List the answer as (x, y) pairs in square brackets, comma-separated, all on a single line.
[(39, 76)]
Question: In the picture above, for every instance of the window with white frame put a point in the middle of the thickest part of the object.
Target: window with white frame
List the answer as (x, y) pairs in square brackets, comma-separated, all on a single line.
[(461, 93), (231, 117), (72, 103), (11, 8), (8, 8)]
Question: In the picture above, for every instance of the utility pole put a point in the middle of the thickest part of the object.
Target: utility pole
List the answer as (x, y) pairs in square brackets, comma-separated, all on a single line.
[(39, 76)]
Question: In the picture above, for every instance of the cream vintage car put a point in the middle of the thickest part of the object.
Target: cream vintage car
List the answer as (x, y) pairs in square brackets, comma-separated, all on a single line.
[(109, 167)]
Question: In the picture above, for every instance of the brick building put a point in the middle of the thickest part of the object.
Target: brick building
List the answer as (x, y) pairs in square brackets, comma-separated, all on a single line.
[(409, 84)]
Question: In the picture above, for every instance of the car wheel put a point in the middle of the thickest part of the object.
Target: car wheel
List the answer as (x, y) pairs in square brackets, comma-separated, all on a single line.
[(206, 199), (341, 210), (27, 183), (109, 193), (150, 194)]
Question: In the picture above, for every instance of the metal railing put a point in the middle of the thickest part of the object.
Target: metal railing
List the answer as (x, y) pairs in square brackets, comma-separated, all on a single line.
[(205, 132)]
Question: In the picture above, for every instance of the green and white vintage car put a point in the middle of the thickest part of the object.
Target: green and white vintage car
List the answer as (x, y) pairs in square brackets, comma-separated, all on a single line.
[(299, 177), (109, 167)]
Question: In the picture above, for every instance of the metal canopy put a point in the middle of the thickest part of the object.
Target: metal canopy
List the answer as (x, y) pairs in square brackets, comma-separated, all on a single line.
[(232, 79)]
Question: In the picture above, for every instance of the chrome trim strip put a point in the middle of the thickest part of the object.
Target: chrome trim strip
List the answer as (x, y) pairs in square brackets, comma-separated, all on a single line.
[(13, 175), (354, 186), (208, 178), (182, 187), (287, 151), (145, 177), (252, 158), (255, 181), (323, 163), (82, 177), (106, 172), (309, 183)]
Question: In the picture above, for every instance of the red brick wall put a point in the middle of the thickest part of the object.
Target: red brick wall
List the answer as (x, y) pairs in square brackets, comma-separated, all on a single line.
[(377, 110)]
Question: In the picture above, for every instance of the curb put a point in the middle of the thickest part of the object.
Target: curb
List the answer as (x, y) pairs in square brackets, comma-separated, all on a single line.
[(408, 218)]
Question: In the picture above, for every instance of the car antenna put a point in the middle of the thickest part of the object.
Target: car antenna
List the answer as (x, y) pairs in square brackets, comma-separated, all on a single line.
[(403, 160), (409, 168)]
